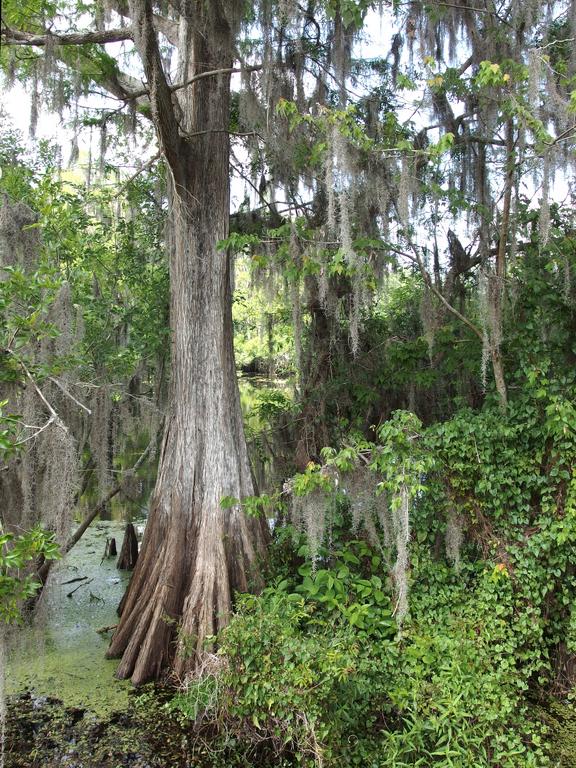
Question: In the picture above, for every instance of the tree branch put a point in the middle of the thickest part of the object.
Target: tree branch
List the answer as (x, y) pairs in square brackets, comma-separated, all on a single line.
[(146, 41), (63, 389), (214, 72), (17, 37), (53, 415), (265, 203), (417, 259), (168, 27), (119, 84), (148, 164), (39, 430), (202, 75), (79, 532)]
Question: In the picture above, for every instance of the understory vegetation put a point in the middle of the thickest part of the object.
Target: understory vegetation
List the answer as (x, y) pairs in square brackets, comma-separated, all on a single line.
[(323, 666)]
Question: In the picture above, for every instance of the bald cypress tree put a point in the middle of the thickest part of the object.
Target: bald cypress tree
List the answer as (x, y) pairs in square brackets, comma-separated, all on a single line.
[(195, 554)]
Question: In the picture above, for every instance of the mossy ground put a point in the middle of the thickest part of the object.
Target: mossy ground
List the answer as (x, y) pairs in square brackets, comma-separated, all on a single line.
[(43, 733), (560, 717)]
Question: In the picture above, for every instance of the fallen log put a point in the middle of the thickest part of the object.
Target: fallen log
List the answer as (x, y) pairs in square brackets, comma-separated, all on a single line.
[(109, 628), (69, 594)]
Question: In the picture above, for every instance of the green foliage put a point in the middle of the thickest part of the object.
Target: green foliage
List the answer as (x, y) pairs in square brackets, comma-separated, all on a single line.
[(316, 663), (491, 74), (253, 506), (352, 11), (100, 247), (315, 669), (292, 658), (20, 168), (400, 457), (350, 591), (263, 336), (115, 265), (24, 300), (459, 690), (16, 552), (32, 13), (8, 432)]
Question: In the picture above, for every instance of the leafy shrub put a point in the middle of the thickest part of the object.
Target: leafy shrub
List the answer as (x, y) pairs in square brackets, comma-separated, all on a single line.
[(15, 553), (315, 672)]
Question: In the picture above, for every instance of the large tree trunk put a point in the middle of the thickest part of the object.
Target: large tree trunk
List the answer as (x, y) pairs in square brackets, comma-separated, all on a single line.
[(195, 554)]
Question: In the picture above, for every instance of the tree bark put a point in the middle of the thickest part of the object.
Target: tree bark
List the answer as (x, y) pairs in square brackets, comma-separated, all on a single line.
[(129, 552), (498, 294), (195, 554), (312, 434)]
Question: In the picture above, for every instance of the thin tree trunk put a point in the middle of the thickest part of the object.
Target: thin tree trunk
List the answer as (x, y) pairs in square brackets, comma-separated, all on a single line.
[(195, 555), (312, 434), (498, 293)]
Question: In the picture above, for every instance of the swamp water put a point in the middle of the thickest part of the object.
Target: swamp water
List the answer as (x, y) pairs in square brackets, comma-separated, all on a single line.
[(62, 654), (64, 705)]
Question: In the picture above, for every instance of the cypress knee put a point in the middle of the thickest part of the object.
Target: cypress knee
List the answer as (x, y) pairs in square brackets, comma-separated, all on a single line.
[(129, 551)]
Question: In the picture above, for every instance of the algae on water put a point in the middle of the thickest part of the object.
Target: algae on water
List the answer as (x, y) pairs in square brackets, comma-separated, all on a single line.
[(62, 654)]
